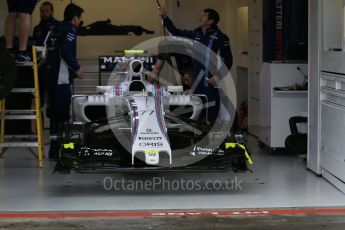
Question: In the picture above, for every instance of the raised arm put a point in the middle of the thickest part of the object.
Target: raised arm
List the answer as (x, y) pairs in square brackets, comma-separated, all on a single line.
[(169, 25)]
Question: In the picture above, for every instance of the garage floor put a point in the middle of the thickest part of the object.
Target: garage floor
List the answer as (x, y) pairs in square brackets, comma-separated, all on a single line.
[(277, 181), (312, 222)]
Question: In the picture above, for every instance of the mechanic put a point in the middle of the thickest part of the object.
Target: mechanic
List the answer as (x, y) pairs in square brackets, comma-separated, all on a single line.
[(47, 23), (209, 35), (62, 67), (187, 81), (20, 10), (173, 52)]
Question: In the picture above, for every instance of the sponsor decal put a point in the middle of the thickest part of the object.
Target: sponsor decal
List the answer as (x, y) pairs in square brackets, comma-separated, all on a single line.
[(279, 34), (219, 152), (103, 152), (215, 213), (150, 138), (89, 152), (115, 59), (199, 151), (151, 144), (149, 132), (108, 63), (152, 153)]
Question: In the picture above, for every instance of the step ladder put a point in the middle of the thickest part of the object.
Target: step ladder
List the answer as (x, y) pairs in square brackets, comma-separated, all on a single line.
[(25, 141)]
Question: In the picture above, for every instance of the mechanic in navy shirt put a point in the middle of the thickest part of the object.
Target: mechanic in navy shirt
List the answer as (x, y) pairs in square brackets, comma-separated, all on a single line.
[(47, 23), (62, 68), (207, 74)]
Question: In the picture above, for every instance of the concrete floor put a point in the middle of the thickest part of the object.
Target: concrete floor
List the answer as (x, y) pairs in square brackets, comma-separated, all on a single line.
[(311, 222), (276, 181)]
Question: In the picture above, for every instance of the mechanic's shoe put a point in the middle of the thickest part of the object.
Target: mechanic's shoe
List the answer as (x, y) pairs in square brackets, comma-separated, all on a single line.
[(54, 151), (23, 58)]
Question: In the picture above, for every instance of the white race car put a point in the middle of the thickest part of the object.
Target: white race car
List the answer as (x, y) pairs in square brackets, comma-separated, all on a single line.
[(134, 126)]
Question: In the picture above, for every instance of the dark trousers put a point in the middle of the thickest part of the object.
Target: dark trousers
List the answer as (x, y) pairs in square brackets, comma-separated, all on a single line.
[(213, 98), (21, 6), (59, 103)]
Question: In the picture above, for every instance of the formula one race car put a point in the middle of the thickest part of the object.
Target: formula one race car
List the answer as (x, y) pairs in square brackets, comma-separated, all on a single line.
[(137, 126)]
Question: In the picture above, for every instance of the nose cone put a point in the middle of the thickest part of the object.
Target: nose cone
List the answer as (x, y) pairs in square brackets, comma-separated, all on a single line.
[(152, 157)]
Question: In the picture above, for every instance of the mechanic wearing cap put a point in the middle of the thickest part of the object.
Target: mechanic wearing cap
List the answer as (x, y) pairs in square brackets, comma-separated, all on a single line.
[(62, 67), (207, 74), (20, 10)]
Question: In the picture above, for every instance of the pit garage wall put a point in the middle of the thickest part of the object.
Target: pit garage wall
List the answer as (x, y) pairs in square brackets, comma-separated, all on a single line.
[(326, 99), (129, 12), (315, 41)]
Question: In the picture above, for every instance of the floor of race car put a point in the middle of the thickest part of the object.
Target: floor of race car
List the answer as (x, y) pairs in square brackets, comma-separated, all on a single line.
[(277, 181)]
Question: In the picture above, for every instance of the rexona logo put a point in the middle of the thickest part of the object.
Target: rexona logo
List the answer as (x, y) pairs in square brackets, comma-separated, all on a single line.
[(201, 151)]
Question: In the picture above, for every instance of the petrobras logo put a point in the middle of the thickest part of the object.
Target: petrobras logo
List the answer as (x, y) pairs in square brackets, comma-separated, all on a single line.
[(150, 138), (199, 151)]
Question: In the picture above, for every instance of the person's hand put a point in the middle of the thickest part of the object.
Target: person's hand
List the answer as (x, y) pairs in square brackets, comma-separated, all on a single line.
[(162, 12), (153, 77), (213, 81), (80, 73)]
